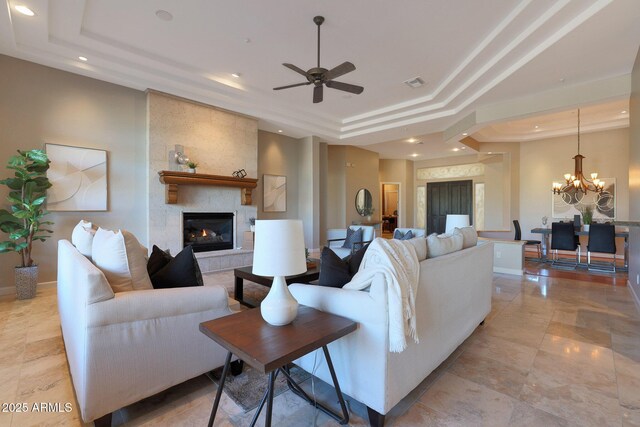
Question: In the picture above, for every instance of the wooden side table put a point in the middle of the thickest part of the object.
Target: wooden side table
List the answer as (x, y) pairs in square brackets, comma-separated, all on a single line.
[(270, 348)]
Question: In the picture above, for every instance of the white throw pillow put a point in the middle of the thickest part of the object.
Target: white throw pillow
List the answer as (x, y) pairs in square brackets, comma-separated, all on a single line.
[(420, 245), (82, 237), (443, 244), (469, 236), (119, 256)]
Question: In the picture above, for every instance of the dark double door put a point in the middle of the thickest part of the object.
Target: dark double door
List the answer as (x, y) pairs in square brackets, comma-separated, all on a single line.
[(451, 197)]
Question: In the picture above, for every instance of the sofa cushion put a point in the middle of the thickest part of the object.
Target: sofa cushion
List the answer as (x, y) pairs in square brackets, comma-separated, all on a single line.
[(82, 237), (353, 236), (420, 245), (119, 257), (399, 235), (442, 244), (469, 236), (179, 272)]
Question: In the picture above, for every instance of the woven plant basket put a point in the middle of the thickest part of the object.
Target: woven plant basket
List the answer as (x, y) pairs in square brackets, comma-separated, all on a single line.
[(26, 281)]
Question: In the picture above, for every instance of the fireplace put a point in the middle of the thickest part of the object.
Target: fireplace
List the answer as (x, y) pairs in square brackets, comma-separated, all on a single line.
[(208, 231)]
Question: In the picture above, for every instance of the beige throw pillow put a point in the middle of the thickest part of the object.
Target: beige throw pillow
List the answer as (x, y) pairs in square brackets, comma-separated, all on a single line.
[(119, 256), (82, 237), (420, 245), (442, 244), (469, 236)]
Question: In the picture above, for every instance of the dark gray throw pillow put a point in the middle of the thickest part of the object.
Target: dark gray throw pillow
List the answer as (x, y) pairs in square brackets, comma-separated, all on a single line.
[(157, 260), (353, 236), (336, 272), (399, 235), (181, 271)]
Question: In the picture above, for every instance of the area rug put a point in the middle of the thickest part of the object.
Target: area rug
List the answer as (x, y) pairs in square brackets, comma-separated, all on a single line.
[(247, 389)]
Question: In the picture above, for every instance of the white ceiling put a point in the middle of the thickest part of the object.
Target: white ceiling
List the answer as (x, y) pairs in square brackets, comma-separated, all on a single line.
[(470, 53)]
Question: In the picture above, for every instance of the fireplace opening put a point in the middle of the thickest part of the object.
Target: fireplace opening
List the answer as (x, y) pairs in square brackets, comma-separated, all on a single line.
[(208, 231)]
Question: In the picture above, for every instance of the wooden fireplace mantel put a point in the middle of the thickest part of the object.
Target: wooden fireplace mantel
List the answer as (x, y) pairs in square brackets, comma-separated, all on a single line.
[(172, 179)]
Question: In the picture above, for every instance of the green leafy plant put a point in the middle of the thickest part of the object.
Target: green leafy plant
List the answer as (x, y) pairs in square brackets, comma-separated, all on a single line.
[(27, 195), (192, 165), (587, 214)]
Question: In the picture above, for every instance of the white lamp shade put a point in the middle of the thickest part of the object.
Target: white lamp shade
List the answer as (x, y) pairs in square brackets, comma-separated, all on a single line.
[(454, 221), (279, 248)]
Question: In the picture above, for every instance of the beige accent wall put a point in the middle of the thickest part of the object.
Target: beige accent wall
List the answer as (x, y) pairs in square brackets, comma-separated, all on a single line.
[(278, 155), (547, 160), (41, 105), (350, 169), (400, 171), (634, 178), (220, 141)]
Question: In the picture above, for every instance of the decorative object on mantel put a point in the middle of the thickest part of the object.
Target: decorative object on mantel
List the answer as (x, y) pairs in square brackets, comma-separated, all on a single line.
[(279, 252), (192, 166), (78, 178), (172, 179), (240, 173), (180, 157), (27, 194), (578, 183), (274, 193)]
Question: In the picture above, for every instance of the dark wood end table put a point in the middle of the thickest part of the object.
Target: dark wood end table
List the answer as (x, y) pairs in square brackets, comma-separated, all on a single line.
[(245, 273), (269, 349)]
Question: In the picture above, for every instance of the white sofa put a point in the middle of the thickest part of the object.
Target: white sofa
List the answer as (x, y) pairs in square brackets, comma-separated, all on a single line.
[(453, 298), (125, 346)]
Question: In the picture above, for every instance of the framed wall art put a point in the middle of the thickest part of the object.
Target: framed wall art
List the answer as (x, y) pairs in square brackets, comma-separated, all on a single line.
[(275, 193), (78, 178), (566, 205)]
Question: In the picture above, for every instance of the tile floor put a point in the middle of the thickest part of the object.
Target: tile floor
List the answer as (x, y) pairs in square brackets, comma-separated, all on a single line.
[(553, 352)]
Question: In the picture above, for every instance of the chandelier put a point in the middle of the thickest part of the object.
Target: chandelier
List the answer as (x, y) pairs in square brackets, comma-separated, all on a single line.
[(578, 182)]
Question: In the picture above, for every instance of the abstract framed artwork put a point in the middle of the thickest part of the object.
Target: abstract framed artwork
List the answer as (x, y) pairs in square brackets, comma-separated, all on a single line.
[(566, 205), (275, 193), (78, 178)]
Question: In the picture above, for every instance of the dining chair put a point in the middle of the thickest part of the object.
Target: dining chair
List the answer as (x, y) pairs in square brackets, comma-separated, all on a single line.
[(602, 238), (518, 236), (564, 238)]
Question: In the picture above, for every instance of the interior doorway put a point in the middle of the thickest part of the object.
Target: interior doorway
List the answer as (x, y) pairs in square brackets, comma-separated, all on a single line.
[(390, 207)]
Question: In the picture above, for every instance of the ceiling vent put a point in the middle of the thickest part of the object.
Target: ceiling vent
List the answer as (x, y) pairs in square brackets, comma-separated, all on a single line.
[(414, 82)]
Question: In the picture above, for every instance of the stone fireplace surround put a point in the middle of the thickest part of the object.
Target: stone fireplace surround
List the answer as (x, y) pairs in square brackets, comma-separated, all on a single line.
[(221, 142)]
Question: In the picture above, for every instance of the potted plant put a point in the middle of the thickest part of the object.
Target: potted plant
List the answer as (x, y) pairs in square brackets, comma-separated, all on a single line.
[(23, 224), (587, 216), (192, 166)]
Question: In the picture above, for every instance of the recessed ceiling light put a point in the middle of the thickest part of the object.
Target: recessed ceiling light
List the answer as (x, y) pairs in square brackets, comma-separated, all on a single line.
[(536, 127), (236, 75), (623, 112), (463, 148), (465, 134), (455, 149), (25, 10), (490, 152), (279, 130), (164, 15), (83, 58), (411, 140), (415, 155)]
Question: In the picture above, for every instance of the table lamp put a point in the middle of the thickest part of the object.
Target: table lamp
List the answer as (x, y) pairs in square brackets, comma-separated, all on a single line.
[(279, 252), (454, 221)]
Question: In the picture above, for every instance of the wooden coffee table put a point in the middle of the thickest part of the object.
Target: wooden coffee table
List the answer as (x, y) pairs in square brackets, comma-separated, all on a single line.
[(245, 273), (269, 349)]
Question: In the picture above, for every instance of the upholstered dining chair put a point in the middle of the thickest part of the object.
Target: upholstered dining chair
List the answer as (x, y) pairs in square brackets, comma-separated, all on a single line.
[(518, 236), (602, 238), (564, 238)]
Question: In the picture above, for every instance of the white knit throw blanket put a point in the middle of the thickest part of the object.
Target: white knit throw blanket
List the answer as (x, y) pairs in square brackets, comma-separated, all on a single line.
[(398, 263)]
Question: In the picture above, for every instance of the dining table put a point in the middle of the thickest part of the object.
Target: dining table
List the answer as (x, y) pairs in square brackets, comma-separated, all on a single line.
[(546, 243)]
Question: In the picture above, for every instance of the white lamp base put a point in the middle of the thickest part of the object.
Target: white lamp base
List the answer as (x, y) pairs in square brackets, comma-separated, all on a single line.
[(279, 308)]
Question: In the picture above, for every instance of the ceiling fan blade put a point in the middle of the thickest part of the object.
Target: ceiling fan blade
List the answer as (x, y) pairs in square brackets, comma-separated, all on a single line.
[(317, 94), (344, 68), (297, 70), (345, 87), (295, 85)]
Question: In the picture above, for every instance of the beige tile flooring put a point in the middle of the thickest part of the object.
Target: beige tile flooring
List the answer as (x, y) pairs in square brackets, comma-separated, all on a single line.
[(553, 352)]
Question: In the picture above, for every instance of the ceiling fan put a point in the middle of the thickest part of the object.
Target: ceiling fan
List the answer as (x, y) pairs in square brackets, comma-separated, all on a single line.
[(321, 77)]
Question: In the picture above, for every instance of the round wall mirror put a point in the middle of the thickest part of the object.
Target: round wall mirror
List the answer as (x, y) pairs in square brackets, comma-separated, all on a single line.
[(364, 202)]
